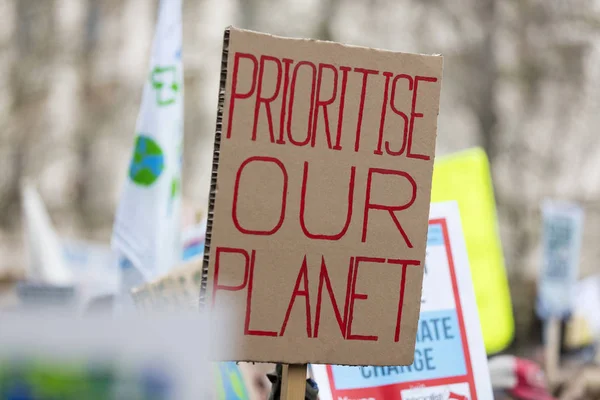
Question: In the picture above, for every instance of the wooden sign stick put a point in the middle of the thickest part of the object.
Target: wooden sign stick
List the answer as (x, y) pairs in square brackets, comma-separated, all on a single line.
[(552, 352), (293, 378)]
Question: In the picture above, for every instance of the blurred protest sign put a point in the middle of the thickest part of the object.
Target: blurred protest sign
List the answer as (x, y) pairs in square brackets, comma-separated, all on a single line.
[(42, 296), (465, 177), (50, 283), (561, 242), (450, 360), (318, 208), (94, 267), (179, 289), (148, 221), (563, 229), (583, 328), (106, 358), (46, 261)]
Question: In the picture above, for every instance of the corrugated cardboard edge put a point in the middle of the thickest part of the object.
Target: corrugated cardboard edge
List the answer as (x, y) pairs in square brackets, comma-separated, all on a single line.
[(215, 166)]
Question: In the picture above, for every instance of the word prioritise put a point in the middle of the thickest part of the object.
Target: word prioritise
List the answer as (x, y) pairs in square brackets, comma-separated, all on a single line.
[(280, 120), (322, 191)]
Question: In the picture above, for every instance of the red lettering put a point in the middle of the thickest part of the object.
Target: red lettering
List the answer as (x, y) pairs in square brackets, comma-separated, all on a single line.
[(345, 71), (302, 278), (400, 113), (341, 233), (384, 105), (247, 330), (216, 285), (236, 189), (234, 81), (286, 82), (390, 209), (359, 296), (363, 96), (404, 264), (266, 100), (291, 105), (324, 279), (324, 103), (414, 114), (320, 101)]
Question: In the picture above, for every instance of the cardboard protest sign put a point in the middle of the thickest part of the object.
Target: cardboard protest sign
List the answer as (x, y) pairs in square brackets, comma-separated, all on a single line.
[(176, 290), (318, 209), (450, 360), (563, 229), (179, 288), (465, 177)]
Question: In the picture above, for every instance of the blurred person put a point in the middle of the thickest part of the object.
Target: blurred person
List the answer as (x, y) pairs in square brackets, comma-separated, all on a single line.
[(311, 393), (519, 378), (582, 384), (255, 376)]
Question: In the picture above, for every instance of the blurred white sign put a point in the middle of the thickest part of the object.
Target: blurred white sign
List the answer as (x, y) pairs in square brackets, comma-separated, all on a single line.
[(158, 357), (94, 266), (561, 241)]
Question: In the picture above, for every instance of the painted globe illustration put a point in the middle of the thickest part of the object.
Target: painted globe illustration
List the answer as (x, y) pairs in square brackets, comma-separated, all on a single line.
[(147, 163)]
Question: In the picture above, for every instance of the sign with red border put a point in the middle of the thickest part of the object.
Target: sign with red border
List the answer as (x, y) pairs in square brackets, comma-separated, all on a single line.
[(449, 361)]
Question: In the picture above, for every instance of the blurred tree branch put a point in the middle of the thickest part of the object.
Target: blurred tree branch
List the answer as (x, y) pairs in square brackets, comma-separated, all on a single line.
[(327, 13), (87, 120), (29, 86)]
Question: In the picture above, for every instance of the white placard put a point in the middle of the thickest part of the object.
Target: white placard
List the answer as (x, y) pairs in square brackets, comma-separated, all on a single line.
[(563, 228), (450, 359)]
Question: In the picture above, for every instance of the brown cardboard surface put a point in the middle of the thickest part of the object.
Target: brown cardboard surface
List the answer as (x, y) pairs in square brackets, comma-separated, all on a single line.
[(177, 290), (306, 128)]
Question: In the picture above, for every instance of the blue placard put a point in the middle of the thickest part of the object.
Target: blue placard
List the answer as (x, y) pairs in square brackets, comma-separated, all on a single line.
[(561, 241), (438, 354)]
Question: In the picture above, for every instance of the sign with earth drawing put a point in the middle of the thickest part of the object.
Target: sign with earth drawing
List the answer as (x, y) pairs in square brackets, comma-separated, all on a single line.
[(147, 226)]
